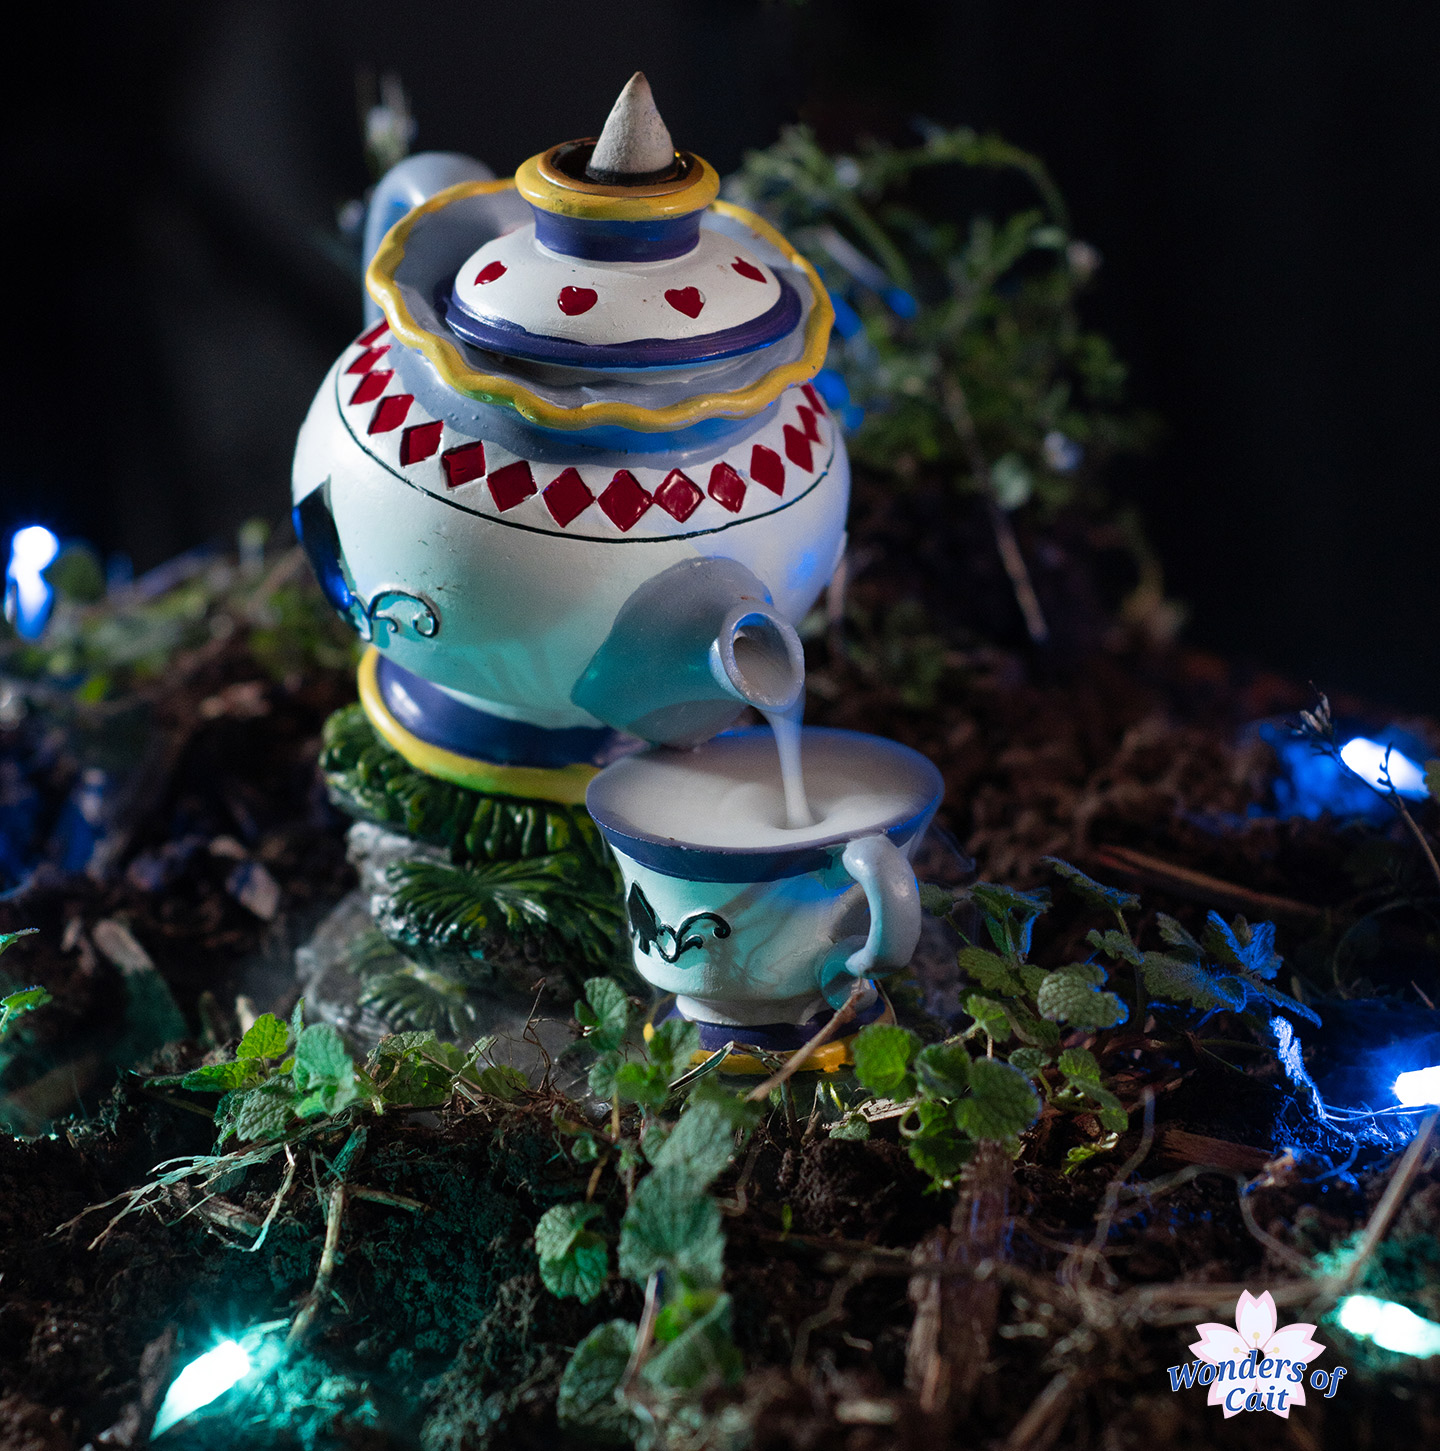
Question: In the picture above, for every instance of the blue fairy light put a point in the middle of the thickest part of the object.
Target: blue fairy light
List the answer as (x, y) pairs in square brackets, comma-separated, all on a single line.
[(28, 594), (1419, 1087), (205, 1379), (1373, 760), (1389, 1325)]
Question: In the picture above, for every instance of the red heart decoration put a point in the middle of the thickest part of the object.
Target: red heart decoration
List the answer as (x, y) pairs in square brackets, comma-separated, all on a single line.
[(685, 299), (575, 300), (748, 269), (489, 272)]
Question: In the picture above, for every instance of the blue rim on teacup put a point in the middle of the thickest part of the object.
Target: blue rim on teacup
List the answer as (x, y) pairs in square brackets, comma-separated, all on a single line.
[(674, 857)]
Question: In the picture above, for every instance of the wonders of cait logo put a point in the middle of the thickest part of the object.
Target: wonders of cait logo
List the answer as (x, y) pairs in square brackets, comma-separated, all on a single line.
[(1254, 1366)]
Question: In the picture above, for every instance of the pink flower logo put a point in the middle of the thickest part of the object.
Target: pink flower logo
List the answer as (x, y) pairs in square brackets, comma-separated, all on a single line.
[(1258, 1367)]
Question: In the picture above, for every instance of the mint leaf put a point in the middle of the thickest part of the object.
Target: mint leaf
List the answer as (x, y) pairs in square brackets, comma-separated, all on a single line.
[(642, 1083), (267, 1037), (991, 971), (701, 1144), (502, 1082), (573, 1260), (1029, 1061), (605, 1012), (882, 1054), (1001, 1105), (1072, 995), (937, 901), (218, 1077), (943, 1070), (1174, 935), (1432, 780), (1107, 898), (672, 1045), (321, 1057), (1080, 1063), (1115, 945), (704, 1351), (989, 1014), (1178, 980), (671, 1224), (937, 1147), (586, 1400), (261, 1114)]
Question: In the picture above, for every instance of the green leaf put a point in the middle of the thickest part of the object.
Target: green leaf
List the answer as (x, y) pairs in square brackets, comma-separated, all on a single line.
[(26, 1000), (882, 1053), (1030, 1061), (574, 1261), (943, 1070), (701, 1353), (1115, 945), (1180, 980), (1080, 1063), (321, 1057), (1072, 995), (701, 1144), (990, 1015), (586, 1400), (502, 1081), (990, 970), (220, 1077), (1035, 1032), (672, 1045), (671, 1224), (261, 1114), (853, 1126), (642, 1083), (1241, 945), (1001, 1105), (1283, 1001), (1175, 936), (267, 1037), (1432, 780), (9, 939), (1109, 899), (937, 901), (605, 1012), (603, 1070), (1009, 915), (938, 1147)]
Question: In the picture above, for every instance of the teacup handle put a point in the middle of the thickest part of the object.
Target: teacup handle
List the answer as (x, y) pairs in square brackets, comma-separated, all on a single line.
[(893, 896)]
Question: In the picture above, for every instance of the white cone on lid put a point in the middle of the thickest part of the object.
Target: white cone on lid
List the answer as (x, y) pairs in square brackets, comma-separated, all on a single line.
[(635, 141)]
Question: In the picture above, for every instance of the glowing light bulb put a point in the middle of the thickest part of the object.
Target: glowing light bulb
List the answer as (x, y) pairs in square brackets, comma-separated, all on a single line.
[(27, 595), (205, 1379), (1418, 1087), (1368, 758), (1390, 1326)]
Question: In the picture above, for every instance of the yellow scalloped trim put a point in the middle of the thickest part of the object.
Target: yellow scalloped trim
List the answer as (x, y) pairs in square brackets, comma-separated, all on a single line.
[(546, 188), (450, 364), (829, 1057), (564, 785)]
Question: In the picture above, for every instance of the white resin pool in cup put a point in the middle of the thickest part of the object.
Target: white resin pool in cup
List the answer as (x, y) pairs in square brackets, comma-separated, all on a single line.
[(756, 926)]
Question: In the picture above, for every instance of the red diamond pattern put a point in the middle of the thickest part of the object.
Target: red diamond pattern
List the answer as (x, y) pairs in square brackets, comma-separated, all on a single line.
[(797, 449), (768, 468), (808, 423), (727, 488), (511, 484), (366, 339), (367, 359), (624, 501), (808, 390), (567, 497), (390, 413), (678, 496), (463, 464), (372, 385), (420, 441)]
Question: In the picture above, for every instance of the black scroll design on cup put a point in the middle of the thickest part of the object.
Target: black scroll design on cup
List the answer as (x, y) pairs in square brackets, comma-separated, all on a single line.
[(650, 932)]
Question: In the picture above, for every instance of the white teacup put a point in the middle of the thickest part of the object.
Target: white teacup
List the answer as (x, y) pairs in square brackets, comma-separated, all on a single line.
[(749, 922)]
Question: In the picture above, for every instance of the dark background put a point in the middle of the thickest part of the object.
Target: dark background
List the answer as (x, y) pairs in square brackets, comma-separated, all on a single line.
[(1261, 179)]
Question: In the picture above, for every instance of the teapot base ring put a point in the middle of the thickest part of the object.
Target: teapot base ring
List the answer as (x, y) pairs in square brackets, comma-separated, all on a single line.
[(564, 785)]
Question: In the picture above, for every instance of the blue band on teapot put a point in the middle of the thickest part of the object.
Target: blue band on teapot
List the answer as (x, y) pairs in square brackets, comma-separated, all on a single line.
[(600, 240), (777, 1037), (440, 720)]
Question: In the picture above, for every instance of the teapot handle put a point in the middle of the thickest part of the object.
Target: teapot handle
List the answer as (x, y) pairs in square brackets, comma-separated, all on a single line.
[(888, 880), (403, 188)]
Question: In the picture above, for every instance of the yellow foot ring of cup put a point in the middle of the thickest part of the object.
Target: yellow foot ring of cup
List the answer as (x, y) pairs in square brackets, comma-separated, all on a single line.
[(829, 1057), (564, 785)]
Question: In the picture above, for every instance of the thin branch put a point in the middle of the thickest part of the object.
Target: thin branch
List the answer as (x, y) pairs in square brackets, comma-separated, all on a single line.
[(323, 1275), (644, 1336), (797, 1060)]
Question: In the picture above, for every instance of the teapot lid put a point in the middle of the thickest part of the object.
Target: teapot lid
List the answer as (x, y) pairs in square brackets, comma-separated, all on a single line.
[(615, 264), (615, 271)]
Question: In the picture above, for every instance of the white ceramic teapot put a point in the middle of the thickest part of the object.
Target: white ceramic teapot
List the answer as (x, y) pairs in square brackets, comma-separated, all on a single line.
[(574, 479)]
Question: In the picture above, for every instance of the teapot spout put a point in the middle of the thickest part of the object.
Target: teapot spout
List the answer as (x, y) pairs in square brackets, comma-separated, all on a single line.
[(689, 650)]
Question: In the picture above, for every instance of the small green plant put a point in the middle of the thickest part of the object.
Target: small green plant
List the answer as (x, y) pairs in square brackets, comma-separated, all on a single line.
[(1055, 1027), (285, 1076), (669, 1238), (23, 1000)]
